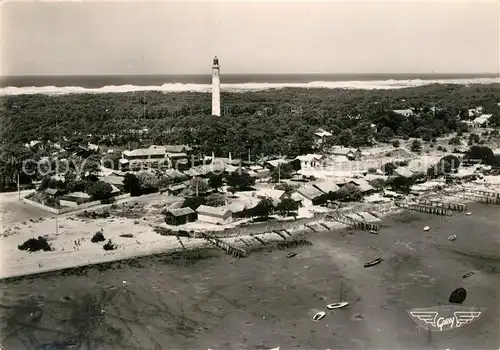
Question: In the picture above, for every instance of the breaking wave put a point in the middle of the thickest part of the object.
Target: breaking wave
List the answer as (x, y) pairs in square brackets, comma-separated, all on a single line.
[(178, 87)]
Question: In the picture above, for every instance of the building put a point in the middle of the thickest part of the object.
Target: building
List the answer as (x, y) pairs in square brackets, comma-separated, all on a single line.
[(349, 153), (309, 195), (74, 199), (214, 215), (161, 156), (180, 216), (175, 189), (404, 172), (326, 186), (275, 195), (215, 87), (362, 184), (480, 122), (310, 160), (404, 112), (320, 136)]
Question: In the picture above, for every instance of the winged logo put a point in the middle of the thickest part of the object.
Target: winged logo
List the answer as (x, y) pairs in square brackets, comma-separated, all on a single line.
[(464, 317), (444, 318), (428, 317)]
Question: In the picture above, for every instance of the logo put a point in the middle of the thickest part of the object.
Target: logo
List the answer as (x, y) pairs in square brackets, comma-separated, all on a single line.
[(445, 318)]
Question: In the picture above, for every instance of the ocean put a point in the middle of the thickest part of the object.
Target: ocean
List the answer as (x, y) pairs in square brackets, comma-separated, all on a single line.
[(60, 84)]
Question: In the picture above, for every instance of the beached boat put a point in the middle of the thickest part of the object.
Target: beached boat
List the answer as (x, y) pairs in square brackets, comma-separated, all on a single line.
[(319, 316), (427, 228), (374, 232), (337, 305), (452, 238), (468, 274), (291, 255), (468, 213), (373, 262)]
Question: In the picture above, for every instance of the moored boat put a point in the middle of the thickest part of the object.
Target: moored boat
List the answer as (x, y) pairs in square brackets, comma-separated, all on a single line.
[(468, 274), (452, 237), (427, 228), (319, 316), (291, 255), (374, 232), (373, 262), (337, 305)]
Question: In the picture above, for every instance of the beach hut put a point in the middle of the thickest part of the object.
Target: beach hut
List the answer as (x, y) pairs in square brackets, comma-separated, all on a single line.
[(179, 216), (214, 215)]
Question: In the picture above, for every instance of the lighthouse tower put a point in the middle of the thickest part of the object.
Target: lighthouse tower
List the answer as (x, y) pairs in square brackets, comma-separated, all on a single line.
[(215, 87)]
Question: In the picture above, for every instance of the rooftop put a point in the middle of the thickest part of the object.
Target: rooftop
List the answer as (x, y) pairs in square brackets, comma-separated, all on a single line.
[(309, 191), (180, 211), (326, 186), (213, 211)]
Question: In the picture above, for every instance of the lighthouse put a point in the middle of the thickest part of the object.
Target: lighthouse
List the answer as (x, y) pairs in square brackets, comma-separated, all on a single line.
[(215, 87)]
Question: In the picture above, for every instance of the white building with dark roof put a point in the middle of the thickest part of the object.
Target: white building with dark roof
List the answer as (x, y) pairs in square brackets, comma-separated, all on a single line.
[(214, 215)]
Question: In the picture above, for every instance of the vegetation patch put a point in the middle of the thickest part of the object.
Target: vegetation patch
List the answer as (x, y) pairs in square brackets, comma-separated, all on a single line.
[(109, 245), (98, 237), (94, 214), (36, 244)]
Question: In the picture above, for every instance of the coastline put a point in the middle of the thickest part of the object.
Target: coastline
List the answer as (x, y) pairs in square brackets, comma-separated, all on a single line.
[(153, 244), (244, 87)]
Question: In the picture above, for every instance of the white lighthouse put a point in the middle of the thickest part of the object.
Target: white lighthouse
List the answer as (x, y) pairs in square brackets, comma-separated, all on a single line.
[(216, 87)]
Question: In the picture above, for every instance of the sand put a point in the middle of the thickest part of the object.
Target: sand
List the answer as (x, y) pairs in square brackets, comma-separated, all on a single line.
[(267, 300)]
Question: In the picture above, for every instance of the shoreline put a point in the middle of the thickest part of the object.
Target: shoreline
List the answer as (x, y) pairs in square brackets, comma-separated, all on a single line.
[(388, 84), (171, 245)]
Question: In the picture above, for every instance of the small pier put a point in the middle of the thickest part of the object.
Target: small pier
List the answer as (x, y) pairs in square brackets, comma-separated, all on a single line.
[(279, 233), (360, 225), (429, 209), (446, 205), (479, 197), (224, 246), (482, 193)]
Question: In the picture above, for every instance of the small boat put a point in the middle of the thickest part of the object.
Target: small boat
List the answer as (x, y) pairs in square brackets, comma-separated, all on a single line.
[(452, 238), (291, 255), (337, 305), (468, 213), (468, 274), (373, 262), (427, 228), (374, 232), (319, 316)]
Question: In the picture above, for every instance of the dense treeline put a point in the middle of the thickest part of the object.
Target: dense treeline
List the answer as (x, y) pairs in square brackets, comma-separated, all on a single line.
[(264, 122)]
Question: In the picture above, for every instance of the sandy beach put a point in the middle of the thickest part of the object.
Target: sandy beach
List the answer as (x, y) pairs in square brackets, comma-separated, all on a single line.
[(267, 300)]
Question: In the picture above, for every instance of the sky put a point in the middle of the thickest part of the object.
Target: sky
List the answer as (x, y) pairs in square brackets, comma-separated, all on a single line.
[(106, 37)]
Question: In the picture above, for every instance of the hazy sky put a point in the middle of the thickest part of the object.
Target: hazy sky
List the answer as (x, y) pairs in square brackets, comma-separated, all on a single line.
[(250, 37)]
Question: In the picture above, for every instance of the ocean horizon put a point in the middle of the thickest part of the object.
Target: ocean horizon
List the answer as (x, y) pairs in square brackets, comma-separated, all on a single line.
[(64, 84)]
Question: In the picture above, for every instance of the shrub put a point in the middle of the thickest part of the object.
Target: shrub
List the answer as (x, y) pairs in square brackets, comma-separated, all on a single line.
[(416, 146), (372, 170), (287, 207), (35, 244), (349, 193), (98, 237), (396, 143), (388, 168), (109, 245), (99, 190)]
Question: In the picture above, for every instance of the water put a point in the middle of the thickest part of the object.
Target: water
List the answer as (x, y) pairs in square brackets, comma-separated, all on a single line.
[(267, 300)]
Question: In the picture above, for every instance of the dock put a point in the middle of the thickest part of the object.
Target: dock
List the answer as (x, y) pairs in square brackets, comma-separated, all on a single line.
[(479, 197), (446, 205), (357, 224), (224, 246), (429, 209)]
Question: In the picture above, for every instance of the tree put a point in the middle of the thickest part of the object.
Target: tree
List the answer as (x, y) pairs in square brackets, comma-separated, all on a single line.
[(131, 185), (215, 181), (263, 208), (416, 146), (396, 143), (198, 186), (377, 184), (283, 171), (402, 184), (241, 181), (148, 182), (216, 200), (288, 188), (388, 169), (485, 154), (287, 207), (193, 202), (349, 193), (100, 190)]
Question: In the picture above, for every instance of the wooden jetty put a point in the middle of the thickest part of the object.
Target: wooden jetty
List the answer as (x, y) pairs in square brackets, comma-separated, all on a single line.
[(224, 246), (429, 209), (279, 233), (482, 193), (479, 198), (357, 224), (446, 205)]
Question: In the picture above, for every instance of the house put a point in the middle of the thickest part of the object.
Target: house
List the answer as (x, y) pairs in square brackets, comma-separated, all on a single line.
[(404, 112), (349, 153), (320, 136), (480, 122), (179, 216), (116, 181), (271, 164), (73, 199), (214, 215), (326, 186), (310, 160), (52, 192), (404, 172), (169, 155), (275, 195), (174, 190), (362, 184), (308, 195)]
